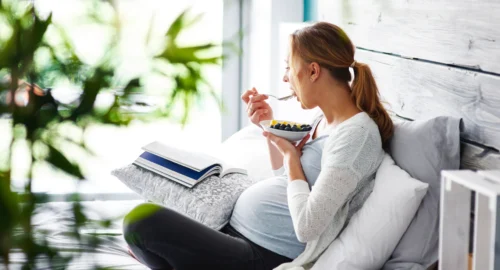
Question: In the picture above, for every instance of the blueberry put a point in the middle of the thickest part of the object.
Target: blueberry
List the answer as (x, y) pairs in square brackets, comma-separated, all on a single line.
[(282, 127), (295, 128), (277, 125), (288, 129)]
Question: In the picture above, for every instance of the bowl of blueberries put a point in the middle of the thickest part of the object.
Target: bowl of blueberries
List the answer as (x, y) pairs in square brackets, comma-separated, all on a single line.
[(286, 129)]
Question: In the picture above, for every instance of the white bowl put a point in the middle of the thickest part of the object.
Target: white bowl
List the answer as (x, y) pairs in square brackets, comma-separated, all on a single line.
[(292, 136)]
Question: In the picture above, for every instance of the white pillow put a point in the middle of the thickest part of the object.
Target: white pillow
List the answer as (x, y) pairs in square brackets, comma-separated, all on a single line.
[(248, 149), (211, 202), (374, 231)]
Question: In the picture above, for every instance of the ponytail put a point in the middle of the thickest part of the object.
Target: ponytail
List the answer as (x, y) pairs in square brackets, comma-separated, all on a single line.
[(330, 47), (366, 97)]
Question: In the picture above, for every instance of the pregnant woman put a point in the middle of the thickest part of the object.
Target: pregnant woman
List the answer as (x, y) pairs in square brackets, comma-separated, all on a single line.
[(286, 222)]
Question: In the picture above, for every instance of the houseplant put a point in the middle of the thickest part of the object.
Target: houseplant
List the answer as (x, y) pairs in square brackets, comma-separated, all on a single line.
[(29, 64)]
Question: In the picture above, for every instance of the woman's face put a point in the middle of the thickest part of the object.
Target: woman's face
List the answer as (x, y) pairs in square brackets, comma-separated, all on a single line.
[(297, 75)]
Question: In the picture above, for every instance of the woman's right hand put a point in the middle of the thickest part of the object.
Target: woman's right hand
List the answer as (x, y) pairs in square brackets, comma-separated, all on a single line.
[(257, 107)]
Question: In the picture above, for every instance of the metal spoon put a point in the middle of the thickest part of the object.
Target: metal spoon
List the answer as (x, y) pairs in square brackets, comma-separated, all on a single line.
[(282, 98)]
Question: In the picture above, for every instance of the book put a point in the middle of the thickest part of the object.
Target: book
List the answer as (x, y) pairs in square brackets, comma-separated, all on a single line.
[(185, 167)]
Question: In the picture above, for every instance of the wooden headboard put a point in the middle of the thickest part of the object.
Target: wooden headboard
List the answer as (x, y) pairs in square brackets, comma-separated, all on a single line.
[(432, 58)]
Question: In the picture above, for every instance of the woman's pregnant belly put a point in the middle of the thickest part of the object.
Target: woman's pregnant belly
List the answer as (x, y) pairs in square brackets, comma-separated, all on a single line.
[(261, 214)]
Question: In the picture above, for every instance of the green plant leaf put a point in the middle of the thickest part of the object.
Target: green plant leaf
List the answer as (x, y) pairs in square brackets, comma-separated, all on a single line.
[(60, 63), (184, 55), (10, 213), (4, 108), (132, 86), (115, 116), (59, 161), (80, 218), (31, 39), (188, 101), (58, 67), (176, 26), (92, 86), (8, 52)]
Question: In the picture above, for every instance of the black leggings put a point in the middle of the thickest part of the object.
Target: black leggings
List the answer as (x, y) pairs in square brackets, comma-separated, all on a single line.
[(161, 238)]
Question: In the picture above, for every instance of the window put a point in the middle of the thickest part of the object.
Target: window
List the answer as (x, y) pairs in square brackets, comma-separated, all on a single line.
[(119, 146)]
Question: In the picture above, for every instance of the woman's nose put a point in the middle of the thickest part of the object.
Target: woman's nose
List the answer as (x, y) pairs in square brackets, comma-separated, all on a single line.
[(285, 78)]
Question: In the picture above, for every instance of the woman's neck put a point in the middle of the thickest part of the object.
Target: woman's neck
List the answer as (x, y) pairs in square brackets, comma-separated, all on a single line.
[(337, 105)]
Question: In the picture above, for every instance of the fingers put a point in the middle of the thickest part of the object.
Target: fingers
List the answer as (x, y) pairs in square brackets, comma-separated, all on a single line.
[(273, 138), (303, 142), (257, 98), (253, 106), (252, 96), (285, 147), (256, 115), (246, 96)]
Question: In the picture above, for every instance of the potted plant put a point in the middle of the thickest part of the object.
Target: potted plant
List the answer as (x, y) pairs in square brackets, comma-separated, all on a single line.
[(36, 116)]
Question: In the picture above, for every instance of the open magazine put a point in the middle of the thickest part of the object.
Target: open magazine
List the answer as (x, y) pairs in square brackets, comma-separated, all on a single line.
[(187, 168)]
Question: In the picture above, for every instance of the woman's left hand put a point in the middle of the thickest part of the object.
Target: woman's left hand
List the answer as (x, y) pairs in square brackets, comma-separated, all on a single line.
[(287, 148)]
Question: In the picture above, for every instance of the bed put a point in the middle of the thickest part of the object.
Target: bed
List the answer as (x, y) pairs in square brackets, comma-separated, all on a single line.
[(429, 58)]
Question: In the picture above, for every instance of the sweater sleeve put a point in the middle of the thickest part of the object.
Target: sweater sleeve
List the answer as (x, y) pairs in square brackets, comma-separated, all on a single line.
[(312, 210), (279, 171)]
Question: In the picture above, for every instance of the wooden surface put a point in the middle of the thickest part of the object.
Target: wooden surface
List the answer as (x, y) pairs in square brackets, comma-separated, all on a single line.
[(417, 90), (478, 158), (464, 33), (454, 226)]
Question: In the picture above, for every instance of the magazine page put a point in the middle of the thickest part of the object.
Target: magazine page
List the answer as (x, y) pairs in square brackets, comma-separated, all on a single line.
[(175, 172), (229, 168), (194, 160), (197, 161)]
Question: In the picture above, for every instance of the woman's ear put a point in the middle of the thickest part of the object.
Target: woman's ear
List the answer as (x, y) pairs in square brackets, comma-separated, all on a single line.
[(314, 70)]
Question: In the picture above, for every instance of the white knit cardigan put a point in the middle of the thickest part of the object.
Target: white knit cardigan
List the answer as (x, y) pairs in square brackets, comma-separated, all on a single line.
[(351, 156)]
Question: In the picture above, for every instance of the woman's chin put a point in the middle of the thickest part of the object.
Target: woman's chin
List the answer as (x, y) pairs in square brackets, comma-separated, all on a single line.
[(306, 107), (301, 103)]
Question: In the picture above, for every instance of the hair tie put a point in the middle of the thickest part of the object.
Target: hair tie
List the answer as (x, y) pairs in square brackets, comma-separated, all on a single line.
[(353, 64)]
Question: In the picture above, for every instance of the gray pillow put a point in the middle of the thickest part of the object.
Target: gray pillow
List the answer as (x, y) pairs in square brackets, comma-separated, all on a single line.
[(210, 202), (423, 148)]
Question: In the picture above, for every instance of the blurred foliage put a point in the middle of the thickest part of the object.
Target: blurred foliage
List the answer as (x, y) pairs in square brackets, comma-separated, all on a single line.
[(36, 115)]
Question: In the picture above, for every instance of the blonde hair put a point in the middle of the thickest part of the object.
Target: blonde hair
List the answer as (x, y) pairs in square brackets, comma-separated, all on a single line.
[(330, 47)]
